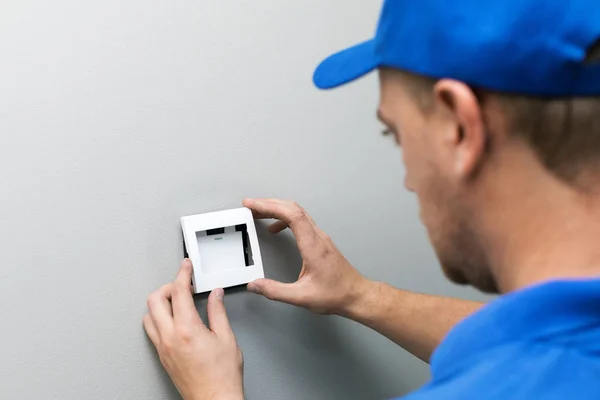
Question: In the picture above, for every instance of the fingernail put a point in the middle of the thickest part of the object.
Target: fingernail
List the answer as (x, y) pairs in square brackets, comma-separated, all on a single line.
[(187, 263), (220, 293), (252, 287)]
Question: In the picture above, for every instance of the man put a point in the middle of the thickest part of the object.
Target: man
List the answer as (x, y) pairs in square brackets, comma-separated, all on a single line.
[(497, 108)]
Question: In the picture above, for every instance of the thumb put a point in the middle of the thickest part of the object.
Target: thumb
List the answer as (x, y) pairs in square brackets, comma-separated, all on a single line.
[(217, 316), (290, 293)]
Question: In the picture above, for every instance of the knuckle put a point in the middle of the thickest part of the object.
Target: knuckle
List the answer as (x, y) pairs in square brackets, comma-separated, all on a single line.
[(151, 300), (166, 347), (164, 289), (299, 209), (325, 251), (184, 333), (178, 290), (297, 214), (268, 291)]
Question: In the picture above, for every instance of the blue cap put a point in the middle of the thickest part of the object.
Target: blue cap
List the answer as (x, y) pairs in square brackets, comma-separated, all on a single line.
[(534, 47)]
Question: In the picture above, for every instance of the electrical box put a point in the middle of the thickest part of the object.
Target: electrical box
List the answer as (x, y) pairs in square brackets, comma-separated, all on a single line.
[(223, 248)]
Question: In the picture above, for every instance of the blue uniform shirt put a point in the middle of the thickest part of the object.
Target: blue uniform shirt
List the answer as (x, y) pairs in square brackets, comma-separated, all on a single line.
[(542, 343)]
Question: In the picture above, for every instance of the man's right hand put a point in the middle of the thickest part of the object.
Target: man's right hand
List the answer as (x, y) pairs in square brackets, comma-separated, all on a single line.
[(327, 283)]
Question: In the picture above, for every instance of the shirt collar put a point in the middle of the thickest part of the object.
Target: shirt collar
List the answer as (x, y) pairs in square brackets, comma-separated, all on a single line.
[(565, 312)]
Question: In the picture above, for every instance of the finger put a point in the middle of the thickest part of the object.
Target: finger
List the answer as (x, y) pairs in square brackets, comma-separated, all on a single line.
[(217, 315), (278, 226), (168, 290), (160, 309), (259, 213), (184, 309), (293, 215), (290, 293), (250, 203), (151, 330)]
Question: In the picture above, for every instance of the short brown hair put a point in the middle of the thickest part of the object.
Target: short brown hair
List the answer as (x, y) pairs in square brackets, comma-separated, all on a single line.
[(563, 132)]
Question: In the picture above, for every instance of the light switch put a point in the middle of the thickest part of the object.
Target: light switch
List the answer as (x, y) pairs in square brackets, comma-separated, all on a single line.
[(221, 252), (223, 247)]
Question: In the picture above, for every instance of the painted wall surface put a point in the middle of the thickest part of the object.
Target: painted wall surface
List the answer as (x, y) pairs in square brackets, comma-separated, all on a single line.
[(117, 118)]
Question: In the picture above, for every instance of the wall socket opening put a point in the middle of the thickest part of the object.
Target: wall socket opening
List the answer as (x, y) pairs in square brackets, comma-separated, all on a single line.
[(225, 248)]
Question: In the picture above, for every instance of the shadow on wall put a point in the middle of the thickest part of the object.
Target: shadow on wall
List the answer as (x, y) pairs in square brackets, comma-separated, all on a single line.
[(321, 350), (167, 385)]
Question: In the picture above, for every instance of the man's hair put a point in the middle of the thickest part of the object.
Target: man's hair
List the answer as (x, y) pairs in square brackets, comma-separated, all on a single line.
[(563, 132)]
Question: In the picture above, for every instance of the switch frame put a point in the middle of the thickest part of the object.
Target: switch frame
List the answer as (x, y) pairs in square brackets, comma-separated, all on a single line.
[(205, 282)]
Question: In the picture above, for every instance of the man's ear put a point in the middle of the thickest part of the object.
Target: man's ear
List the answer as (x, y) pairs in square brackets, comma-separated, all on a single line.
[(466, 136)]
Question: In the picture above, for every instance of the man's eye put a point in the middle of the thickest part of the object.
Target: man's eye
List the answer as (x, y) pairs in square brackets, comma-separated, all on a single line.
[(389, 132)]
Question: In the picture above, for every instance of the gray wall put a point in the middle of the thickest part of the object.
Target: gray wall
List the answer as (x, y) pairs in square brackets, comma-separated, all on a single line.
[(117, 118)]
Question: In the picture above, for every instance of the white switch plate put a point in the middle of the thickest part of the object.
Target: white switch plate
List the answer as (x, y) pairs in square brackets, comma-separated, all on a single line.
[(219, 259)]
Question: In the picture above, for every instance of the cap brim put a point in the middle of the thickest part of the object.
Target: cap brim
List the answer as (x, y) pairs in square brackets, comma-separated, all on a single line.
[(346, 66)]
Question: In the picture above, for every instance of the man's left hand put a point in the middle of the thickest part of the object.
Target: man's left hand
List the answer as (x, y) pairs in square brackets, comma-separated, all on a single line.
[(204, 364)]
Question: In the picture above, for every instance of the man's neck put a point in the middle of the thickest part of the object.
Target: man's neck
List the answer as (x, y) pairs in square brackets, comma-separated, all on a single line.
[(541, 229), (559, 247)]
